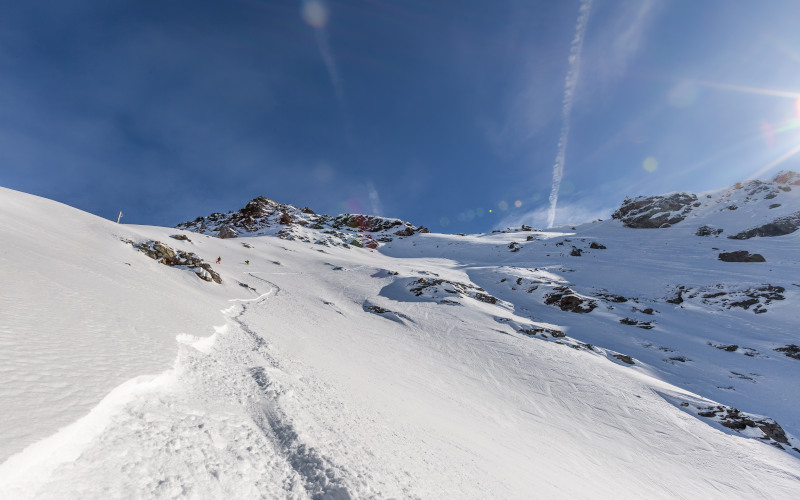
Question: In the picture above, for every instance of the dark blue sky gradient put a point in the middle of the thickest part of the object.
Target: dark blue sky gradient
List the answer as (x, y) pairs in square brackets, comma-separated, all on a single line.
[(431, 111)]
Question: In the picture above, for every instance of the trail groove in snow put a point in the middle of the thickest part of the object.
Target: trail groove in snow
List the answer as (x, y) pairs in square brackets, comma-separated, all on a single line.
[(321, 479)]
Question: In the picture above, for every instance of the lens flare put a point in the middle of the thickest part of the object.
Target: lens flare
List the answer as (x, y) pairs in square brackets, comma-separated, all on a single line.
[(315, 13), (518, 203), (650, 164), (797, 106), (502, 205)]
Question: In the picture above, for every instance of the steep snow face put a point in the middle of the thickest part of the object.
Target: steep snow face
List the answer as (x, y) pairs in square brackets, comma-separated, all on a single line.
[(81, 312), (598, 360)]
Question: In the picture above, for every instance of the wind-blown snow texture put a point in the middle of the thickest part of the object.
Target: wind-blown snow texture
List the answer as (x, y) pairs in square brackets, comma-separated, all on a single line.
[(618, 358)]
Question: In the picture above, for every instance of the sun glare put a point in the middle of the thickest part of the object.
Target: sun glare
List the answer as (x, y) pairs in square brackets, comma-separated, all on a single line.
[(315, 13)]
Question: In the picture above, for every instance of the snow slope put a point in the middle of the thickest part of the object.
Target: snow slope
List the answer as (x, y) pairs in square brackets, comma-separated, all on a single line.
[(428, 368)]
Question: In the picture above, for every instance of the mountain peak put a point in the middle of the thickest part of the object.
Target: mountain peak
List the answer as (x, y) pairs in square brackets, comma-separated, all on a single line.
[(263, 216)]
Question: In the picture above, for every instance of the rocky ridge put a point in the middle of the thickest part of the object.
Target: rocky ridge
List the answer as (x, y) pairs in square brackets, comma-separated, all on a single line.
[(265, 217)]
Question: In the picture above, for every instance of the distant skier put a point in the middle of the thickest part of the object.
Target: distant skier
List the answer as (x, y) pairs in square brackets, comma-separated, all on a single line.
[(247, 262), (219, 260)]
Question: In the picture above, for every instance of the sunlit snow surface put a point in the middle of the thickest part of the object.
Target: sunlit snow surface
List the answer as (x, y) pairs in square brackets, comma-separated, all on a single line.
[(317, 372)]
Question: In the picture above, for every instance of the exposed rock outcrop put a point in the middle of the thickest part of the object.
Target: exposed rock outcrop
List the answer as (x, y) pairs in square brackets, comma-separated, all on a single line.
[(739, 421), (568, 300), (778, 227), (708, 231), (178, 258), (729, 297), (437, 288), (741, 256), (227, 232), (655, 211), (791, 350)]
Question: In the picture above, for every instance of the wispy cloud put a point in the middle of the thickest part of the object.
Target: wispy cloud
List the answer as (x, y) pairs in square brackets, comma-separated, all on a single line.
[(570, 83)]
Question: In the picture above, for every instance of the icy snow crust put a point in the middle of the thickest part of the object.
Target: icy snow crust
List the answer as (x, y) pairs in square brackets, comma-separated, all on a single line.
[(437, 366)]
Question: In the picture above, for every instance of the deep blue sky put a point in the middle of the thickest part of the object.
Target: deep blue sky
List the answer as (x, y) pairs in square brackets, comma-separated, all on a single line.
[(433, 111)]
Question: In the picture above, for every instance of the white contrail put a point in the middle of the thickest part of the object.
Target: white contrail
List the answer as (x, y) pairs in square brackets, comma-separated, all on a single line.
[(566, 110)]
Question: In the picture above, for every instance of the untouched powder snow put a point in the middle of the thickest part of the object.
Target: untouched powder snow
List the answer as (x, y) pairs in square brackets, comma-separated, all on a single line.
[(430, 368)]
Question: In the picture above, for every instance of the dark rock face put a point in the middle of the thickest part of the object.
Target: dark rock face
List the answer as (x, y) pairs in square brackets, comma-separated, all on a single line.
[(741, 256), (485, 297), (738, 421), (376, 309), (368, 223), (778, 227), (534, 330), (596, 246), (678, 299), (568, 300), (610, 297), (624, 358), (655, 211), (726, 348), (791, 350), (178, 258), (285, 219), (576, 252), (647, 325), (708, 231), (181, 237), (227, 232)]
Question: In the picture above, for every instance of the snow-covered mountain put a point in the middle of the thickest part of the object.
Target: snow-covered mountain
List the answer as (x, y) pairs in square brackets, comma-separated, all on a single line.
[(652, 355)]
